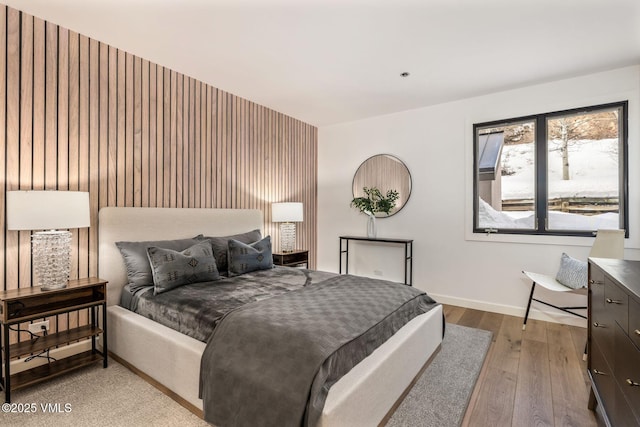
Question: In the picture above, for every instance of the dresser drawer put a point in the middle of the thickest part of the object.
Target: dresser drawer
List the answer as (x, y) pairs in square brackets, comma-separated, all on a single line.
[(622, 415), (596, 286), (634, 321), (616, 300), (602, 377), (627, 370), (602, 329)]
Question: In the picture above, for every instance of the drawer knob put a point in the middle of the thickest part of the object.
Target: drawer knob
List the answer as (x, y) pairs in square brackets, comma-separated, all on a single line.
[(632, 383), (612, 301), (637, 331), (595, 371), (598, 325)]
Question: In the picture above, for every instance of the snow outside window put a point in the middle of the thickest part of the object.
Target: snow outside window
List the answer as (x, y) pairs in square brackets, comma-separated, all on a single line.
[(561, 173)]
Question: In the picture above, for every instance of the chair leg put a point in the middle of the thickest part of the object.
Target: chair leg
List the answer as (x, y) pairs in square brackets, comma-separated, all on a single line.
[(526, 316)]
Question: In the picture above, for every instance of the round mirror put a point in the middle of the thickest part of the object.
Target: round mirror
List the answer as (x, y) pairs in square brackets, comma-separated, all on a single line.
[(384, 172)]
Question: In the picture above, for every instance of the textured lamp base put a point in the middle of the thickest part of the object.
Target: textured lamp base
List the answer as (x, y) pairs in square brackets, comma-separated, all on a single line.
[(51, 258), (287, 236)]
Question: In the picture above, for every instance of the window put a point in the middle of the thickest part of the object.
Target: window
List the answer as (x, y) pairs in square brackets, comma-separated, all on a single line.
[(561, 173)]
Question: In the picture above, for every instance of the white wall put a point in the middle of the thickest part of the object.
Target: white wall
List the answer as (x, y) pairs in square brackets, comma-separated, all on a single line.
[(451, 263)]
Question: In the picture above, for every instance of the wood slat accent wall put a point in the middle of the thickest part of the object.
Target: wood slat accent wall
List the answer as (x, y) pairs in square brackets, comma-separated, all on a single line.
[(81, 115)]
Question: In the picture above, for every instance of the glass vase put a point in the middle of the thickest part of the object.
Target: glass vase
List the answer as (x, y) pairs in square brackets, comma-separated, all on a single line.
[(372, 230)]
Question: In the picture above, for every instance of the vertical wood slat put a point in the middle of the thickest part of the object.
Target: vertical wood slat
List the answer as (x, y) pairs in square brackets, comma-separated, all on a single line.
[(73, 126), (137, 132), (144, 183), (83, 153), (103, 122), (191, 146), (129, 185), (152, 135), (203, 144), (63, 109), (26, 143), (159, 136), (74, 134), (83, 162), (94, 150), (63, 129), (3, 137), (166, 140), (184, 155), (81, 115), (120, 133), (51, 106), (209, 143), (12, 165), (39, 77), (195, 157), (26, 138), (109, 162), (173, 153), (179, 140)]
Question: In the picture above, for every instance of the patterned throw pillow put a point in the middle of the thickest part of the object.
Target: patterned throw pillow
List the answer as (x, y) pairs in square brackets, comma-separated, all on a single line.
[(573, 273), (134, 254), (220, 246), (172, 268), (244, 258)]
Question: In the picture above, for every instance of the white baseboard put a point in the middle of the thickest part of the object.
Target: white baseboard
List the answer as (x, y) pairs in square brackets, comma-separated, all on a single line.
[(537, 312), (20, 365)]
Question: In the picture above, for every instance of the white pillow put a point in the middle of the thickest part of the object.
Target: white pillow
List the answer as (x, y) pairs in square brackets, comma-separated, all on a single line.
[(572, 272)]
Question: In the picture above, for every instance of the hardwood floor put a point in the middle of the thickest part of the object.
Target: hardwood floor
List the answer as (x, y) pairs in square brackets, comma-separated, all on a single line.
[(531, 378)]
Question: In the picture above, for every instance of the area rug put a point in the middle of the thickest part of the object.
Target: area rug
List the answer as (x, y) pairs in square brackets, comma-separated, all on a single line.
[(441, 395), (117, 397)]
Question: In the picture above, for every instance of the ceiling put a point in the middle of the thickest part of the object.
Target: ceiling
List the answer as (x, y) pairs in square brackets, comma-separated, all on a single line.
[(332, 61)]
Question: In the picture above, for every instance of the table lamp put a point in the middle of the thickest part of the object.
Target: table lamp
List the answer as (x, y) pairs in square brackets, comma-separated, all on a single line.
[(287, 214), (49, 210)]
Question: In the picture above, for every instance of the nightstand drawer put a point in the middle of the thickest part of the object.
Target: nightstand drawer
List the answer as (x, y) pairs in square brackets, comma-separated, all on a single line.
[(45, 303), (290, 259)]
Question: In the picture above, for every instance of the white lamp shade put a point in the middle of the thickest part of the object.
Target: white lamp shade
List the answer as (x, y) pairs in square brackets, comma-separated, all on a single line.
[(47, 210), (286, 212)]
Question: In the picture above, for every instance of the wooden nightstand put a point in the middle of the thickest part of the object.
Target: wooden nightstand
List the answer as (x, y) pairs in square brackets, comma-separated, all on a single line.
[(25, 304), (292, 259)]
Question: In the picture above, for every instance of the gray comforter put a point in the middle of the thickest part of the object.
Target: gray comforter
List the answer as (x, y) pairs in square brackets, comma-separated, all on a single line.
[(195, 309), (272, 362)]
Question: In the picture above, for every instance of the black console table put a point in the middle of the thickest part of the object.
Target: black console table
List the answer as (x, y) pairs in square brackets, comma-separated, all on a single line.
[(408, 253)]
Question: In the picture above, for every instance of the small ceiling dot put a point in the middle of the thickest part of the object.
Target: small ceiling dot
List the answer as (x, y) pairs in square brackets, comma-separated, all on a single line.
[(405, 74)]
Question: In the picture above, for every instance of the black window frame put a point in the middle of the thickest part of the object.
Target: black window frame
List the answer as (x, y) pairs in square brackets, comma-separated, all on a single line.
[(541, 188)]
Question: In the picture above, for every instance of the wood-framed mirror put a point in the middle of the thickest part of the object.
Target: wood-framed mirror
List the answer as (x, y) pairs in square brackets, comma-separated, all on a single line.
[(385, 172)]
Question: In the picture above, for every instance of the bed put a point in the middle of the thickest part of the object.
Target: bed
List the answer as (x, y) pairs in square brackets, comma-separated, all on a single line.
[(364, 396)]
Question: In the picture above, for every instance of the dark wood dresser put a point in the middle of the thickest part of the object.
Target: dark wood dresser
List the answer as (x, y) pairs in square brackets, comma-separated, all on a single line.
[(614, 339)]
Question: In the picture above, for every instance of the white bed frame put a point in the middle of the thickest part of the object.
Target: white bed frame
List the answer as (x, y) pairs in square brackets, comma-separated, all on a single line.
[(363, 397)]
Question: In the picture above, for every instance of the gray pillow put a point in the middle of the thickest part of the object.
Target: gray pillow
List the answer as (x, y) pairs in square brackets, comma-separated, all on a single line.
[(220, 246), (572, 272), (173, 268), (244, 258), (135, 257)]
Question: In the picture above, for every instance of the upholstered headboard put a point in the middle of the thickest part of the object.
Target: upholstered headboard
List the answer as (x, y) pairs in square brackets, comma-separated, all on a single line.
[(139, 224)]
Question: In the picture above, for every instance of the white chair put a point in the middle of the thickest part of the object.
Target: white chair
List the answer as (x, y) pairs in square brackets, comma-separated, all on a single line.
[(607, 244)]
